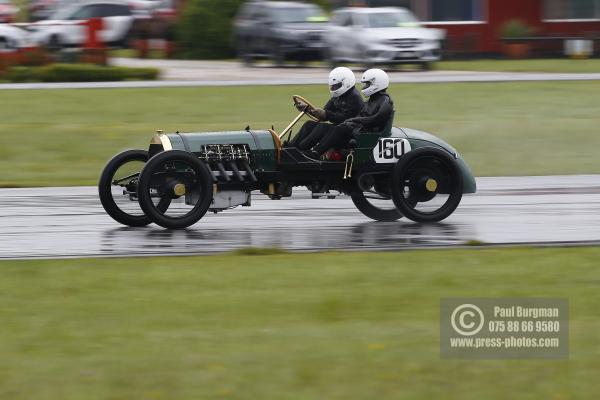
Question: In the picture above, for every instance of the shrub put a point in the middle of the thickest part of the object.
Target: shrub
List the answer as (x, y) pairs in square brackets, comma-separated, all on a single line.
[(78, 73)]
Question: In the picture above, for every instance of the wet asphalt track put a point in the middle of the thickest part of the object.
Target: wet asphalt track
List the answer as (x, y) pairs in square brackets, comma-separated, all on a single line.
[(69, 222)]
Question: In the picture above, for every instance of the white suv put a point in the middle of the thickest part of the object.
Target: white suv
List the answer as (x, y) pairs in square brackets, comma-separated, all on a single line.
[(381, 36), (65, 27)]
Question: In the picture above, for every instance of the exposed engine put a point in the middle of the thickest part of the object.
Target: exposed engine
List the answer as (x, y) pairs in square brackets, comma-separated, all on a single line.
[(228, 162)]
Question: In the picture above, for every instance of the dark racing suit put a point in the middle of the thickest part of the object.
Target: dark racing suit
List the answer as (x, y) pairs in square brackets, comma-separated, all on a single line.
[(337, 110), (372, 118)]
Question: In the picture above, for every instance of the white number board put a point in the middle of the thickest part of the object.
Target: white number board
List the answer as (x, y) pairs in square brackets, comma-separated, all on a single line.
[(389, 150)]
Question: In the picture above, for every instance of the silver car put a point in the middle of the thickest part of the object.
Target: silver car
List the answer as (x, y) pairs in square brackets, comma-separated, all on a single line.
[(381, 36), (13, 38)]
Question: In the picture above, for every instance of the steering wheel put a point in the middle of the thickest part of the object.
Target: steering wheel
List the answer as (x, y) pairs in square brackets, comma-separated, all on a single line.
[(308, 106)]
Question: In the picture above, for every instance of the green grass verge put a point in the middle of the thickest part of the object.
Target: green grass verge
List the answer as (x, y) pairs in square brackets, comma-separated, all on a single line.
[(316, 326), (64, 137), (533, 65)]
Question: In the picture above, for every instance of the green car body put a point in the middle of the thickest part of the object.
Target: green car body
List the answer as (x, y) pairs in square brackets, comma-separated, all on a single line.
[(263, 147)]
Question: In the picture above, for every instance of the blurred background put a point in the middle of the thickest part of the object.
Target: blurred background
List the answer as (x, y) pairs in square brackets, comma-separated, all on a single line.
[(386, 32)]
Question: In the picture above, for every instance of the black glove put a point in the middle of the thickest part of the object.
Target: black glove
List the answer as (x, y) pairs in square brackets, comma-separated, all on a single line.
[(320, 114), (300, 106)]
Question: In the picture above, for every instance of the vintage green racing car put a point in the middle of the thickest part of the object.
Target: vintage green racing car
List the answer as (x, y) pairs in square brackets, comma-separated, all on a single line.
[(389, 174)]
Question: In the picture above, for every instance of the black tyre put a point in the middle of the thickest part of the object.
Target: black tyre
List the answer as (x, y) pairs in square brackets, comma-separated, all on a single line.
[(54, 44), (427, 185), (179, 175), (121, 175), (4, 45), (374, 209), (329, 56), (372, 197), (278, 55), (426, 66), (244, 52)]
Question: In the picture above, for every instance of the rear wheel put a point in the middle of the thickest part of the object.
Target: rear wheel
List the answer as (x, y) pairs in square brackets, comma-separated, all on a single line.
[(426, 66), (377, 209), (277, 55), (329, 56), (373, 198), (181, 177), (54, 44), (244, 52), (118, 188), (427, 185)]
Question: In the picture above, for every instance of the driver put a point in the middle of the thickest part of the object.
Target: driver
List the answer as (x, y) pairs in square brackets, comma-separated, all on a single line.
[(345, 103), (372, 118)]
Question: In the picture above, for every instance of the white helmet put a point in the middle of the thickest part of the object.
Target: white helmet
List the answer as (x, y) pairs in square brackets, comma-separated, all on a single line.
[(374, 80), (341, 79)]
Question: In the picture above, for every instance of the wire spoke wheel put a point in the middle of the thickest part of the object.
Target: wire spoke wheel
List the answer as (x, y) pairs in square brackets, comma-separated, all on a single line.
[(183, 179), (117, 188), (427, 185)]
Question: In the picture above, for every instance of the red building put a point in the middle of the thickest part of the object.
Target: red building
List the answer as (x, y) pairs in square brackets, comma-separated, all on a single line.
[(474, 26)]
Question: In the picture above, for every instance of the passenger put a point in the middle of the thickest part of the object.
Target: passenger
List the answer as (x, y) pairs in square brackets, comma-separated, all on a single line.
[(372, 118), (345, 103)]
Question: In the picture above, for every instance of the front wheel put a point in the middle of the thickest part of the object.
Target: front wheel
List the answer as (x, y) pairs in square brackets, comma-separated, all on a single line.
[(117, 188), (182, 177), (4, 45), (427, 185)]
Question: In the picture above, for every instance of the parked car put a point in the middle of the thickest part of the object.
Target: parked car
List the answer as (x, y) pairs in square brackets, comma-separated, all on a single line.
[(381, 36), (13, 38), (65, 27), (8, 11), (280, 31)]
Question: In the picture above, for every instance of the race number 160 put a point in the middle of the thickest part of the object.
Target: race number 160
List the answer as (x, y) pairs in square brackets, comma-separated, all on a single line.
[(390, 149)]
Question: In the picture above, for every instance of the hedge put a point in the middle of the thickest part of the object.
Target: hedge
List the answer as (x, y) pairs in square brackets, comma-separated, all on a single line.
[(77, 73)]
